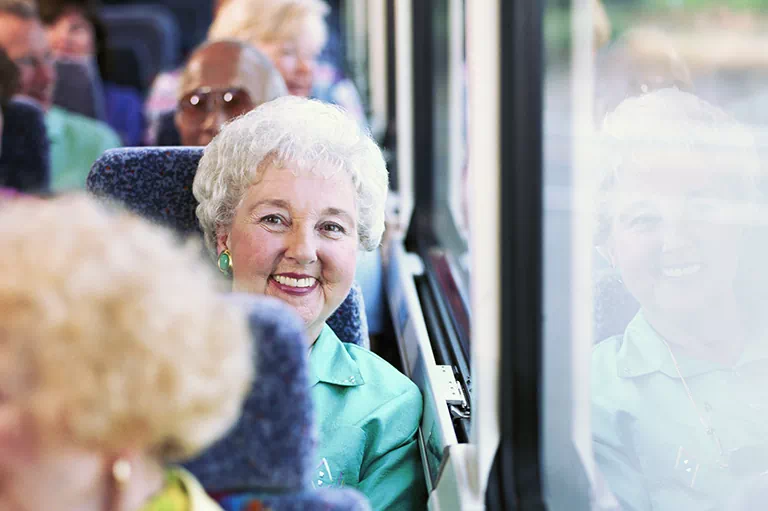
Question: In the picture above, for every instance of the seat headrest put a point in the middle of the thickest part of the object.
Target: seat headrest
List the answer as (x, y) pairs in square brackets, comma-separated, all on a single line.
[(614, 306), (25, 161), (156, 183), (272, 445), (79, 89)]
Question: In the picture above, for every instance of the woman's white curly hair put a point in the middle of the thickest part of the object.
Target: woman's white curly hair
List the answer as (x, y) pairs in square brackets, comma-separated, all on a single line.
[(670, 124)]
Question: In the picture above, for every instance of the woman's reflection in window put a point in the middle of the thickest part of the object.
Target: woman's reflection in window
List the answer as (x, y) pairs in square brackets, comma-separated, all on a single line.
[(680, 402)]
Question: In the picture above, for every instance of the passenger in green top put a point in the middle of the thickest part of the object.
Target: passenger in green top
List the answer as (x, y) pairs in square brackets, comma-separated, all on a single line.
[(288, 194), (680, 401), (76, 141)]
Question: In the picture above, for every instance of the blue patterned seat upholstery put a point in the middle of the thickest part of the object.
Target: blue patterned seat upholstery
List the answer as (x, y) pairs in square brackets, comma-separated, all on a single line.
[(336, 500), (614, 306), (156, 183), (25, 162), (267, 456), (349, 321), (270, 447)]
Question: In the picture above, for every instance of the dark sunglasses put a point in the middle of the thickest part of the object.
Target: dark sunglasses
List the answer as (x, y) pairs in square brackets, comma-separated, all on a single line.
[(200, 102)]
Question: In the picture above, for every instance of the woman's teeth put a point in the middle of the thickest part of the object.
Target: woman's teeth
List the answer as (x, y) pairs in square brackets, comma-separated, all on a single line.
[(680, 271), (291, 282)]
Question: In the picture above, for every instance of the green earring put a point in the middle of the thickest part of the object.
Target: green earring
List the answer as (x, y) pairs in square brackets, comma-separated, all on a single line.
[(225, 263)]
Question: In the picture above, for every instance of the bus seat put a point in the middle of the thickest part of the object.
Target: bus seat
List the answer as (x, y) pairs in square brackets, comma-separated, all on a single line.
[(144, 39), (79, 89), (25, 161), (614, 306), (156, 183), (167, 134), (270, 447), (326, 500), (349, 321), (267, 457)]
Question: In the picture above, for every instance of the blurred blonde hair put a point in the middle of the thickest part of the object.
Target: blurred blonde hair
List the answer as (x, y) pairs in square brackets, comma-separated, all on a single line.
[(267, 21), (112, 334)]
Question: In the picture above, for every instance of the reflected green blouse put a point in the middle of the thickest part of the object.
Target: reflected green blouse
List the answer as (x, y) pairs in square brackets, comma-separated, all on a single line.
[(648, 440)]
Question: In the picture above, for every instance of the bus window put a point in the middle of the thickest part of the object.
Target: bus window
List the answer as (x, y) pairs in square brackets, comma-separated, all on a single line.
[(654, 250)]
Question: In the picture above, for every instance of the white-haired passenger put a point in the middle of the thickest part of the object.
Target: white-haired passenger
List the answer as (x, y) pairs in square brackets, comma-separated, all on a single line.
[(288, 194), (117, 357), (222, 80), (680, 407), (292, 33)]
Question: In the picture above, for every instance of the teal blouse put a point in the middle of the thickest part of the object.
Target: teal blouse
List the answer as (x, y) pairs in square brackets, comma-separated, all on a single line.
[(368, 415), (649, 442)]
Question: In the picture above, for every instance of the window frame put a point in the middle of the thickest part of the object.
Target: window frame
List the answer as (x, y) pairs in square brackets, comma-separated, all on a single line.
[(515, 480)]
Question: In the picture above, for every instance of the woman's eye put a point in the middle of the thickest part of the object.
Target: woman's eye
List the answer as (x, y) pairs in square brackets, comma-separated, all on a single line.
[(333, 228), (644, 221), (272, 220)]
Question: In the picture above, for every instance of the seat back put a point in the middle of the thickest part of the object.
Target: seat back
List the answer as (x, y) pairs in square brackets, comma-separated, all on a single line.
[(25, 160), (614, 306), (143, 39), (336, 499), (271, 446), (156, 183), (167, 134), (79, 89)]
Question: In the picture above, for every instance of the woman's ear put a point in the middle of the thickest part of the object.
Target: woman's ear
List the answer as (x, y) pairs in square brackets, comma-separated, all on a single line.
[(222, 242)]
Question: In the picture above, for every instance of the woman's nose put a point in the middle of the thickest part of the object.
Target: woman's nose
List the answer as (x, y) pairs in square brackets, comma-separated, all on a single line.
[(302, 247), (305, 65)]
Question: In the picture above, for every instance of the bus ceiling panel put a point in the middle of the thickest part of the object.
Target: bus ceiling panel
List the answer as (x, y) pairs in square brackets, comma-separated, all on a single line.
[(437, 427)]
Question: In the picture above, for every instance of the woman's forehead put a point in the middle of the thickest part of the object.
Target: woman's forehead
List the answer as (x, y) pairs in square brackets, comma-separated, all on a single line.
[(296, 184)]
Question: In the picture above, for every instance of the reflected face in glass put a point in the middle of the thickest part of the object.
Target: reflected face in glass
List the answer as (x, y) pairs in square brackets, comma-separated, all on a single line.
[(71, 35), (26, 44), (676, 234), (216, 89), (294, 237)]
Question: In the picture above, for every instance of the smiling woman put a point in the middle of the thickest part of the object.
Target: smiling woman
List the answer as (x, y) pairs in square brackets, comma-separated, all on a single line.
[(289, 193)]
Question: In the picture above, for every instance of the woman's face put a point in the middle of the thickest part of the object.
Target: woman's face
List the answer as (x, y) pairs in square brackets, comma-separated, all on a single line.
[(28, 463), (676, 233), (296, 60), (294, 237), (72, 35)]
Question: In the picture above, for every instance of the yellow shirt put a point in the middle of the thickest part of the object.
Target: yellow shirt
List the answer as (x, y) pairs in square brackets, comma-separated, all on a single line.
[(182, 492)]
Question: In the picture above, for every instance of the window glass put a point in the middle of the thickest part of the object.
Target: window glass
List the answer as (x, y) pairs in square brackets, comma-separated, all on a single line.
[(656, 245)]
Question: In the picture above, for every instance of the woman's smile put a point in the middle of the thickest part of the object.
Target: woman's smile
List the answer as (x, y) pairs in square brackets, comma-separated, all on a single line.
[(294, 284)]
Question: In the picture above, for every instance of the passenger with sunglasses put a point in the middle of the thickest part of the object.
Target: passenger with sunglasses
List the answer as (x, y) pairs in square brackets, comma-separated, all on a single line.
[(222, 80)]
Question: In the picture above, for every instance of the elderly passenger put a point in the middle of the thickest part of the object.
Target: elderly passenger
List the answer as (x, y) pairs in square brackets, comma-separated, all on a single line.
[(75, 141), (117, 357), (292, 33), (680, 408), (289, 194), (222, 80)]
